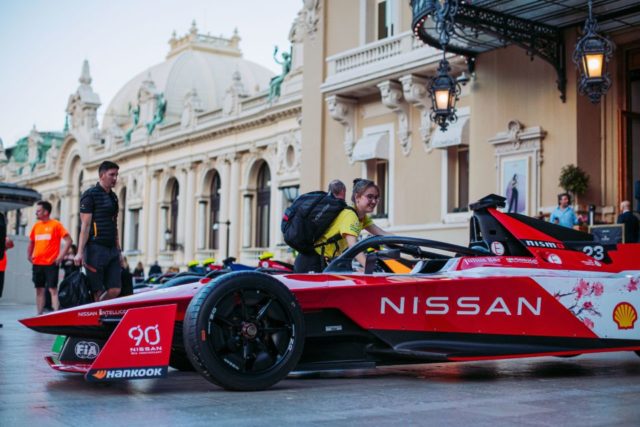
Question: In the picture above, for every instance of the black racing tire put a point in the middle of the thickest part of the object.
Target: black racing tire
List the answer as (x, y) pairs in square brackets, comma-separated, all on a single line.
[(637, 352), (244, 331), (180, 361)]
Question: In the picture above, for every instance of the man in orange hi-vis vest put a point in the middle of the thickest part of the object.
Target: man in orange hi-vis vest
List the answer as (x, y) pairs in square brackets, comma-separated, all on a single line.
[(45, 252)]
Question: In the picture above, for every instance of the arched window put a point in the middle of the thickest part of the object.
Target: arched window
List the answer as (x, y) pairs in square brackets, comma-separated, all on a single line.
[(214, 203), (263, 206), (173, 219)]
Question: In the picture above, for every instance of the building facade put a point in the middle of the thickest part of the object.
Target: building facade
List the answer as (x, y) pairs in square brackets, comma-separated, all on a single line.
[(207, 154)]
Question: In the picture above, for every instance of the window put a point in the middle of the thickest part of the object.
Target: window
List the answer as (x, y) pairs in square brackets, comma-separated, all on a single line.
[(214, 213), (378, 172), (135, 229), (457, 178), (173, 219), (385, 17), (263, 206)]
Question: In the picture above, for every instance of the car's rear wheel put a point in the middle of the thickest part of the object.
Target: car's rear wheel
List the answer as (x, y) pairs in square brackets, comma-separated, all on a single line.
[(244, 331)]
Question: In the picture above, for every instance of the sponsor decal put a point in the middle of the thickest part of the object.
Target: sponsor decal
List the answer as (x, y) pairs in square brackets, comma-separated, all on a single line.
[(122, 311), (86, 350), (124, 373), (497, 248), (461, 306), (542, 244), (554, 259), (87, 313), (333, 328), (147, 340), (522, 260), (482, 260), (625, 315)]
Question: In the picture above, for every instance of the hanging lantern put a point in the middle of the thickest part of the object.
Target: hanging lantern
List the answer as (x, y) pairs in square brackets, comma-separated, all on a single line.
[(591, 56), (444, 91)]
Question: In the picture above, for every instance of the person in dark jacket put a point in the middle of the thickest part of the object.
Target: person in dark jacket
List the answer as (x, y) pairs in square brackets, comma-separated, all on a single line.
[(631, 225), (126, 278)]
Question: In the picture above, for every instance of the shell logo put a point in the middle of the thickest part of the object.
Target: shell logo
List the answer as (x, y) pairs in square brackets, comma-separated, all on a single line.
[(625, 315), (100, 374)]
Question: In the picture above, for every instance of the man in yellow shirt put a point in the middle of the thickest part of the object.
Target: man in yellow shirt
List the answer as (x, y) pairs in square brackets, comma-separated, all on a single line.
[(48, 244)]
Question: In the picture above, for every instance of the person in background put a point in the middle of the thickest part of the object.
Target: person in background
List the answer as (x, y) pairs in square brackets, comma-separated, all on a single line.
[(138, 272), (99, 247), (631, 224), (344, 231), (48, 244), (338, 189), (5, 243), (68, 266), (126, 279), (564, 214), (155, 269)]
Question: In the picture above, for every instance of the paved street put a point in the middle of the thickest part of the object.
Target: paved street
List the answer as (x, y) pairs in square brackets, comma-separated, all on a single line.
[(587, 391)]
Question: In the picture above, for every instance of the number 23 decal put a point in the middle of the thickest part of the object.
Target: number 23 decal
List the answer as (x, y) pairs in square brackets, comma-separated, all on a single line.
[(595, 252)]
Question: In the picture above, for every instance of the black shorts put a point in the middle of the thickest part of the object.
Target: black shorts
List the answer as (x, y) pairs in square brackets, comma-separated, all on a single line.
[(46, 276), (103, 267)]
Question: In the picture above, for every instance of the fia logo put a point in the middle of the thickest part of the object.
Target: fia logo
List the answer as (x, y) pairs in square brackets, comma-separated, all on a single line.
[(86, 350), (150, 335)]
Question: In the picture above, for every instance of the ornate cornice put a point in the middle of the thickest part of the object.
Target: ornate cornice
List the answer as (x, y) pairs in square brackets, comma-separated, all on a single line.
[(343, 110), (392, 97)]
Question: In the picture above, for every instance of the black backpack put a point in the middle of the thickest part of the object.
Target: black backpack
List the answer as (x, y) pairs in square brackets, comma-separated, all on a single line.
[(74, 290), (307, 218)]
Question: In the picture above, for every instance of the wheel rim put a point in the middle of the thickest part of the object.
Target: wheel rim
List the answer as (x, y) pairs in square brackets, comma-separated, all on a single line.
[(250, 331)]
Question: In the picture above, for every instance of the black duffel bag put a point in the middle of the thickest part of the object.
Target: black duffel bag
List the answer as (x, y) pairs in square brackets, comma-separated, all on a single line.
[(74, 290)]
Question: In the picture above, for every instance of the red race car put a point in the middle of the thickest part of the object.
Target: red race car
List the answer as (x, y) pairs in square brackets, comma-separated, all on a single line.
[(522, 288)]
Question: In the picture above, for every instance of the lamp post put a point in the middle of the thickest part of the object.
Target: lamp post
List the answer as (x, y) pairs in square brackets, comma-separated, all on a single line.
[(591, 56), (444, 90), (216, 226)]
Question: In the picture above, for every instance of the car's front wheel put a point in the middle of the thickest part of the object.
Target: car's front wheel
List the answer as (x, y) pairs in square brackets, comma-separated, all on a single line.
[(244, 331)]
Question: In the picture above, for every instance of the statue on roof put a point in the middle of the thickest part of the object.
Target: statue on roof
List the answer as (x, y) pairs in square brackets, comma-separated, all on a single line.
[(158, 115), (135, 116), (276, 82)]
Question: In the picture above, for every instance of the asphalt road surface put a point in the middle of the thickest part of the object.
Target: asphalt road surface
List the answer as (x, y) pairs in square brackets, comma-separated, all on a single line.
[(588, 390)]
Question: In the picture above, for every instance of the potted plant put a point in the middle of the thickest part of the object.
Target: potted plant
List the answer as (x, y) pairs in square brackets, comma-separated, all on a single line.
[(574, 181)]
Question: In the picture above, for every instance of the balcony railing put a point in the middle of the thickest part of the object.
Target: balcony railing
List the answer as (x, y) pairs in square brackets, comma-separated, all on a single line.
[(397, 53)]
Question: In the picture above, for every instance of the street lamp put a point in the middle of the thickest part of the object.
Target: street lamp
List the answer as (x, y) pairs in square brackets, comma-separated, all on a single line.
[(591, 56), (444, 91), (291, 192), (216, 226)]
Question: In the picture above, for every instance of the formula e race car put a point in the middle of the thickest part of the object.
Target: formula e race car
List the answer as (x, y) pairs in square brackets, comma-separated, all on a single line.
[(522, 288)]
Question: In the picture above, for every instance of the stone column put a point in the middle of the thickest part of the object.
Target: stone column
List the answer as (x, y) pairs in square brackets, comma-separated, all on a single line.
[(246, 220), (275, 212), (152, 224), (190, 228), (182, 206), (225, 201), (202, 224), (234, 206)]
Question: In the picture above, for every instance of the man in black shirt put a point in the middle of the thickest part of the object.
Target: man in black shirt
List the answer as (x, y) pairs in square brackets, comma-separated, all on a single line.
[(98, 246)]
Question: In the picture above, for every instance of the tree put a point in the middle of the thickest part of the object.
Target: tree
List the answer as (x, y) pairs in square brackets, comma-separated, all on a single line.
[(574, 180)]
